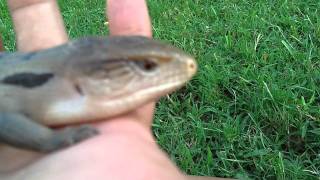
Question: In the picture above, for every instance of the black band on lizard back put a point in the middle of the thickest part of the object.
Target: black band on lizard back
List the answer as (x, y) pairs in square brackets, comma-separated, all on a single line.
[(27, 80)]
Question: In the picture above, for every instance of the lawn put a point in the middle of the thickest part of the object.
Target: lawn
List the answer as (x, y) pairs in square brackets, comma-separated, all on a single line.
[(253, 109)]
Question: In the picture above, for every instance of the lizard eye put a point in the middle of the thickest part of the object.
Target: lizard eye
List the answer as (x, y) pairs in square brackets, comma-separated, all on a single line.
[(146, 65)]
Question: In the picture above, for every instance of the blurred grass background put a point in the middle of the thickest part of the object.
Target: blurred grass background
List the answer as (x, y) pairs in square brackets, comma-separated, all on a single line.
[(253, 110)]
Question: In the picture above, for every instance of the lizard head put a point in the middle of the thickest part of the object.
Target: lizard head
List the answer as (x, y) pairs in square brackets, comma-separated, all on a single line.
[(125, 71)]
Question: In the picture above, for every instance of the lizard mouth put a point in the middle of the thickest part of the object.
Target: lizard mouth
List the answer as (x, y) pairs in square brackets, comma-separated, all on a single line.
[(169, 84)]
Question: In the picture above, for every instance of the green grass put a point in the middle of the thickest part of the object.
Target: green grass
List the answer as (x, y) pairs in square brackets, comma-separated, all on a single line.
[(253, 110)]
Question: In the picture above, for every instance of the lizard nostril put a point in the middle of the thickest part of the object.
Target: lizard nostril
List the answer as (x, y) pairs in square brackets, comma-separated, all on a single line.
[(192, 67)]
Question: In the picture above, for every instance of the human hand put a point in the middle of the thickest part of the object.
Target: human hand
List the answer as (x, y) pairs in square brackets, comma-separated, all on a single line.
[(125, 149)]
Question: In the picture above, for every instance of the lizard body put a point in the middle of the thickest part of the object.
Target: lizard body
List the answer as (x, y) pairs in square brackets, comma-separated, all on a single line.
[(83, 80)]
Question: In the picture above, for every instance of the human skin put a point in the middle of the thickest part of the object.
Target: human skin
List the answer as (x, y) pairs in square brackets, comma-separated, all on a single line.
[(125, 148)]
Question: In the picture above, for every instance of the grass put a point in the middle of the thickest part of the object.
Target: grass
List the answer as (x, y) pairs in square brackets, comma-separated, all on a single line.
[(253, 110)]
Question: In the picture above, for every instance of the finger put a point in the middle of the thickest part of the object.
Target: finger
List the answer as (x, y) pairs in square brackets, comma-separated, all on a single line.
[(38, 24), (1, 45), (127, 17)]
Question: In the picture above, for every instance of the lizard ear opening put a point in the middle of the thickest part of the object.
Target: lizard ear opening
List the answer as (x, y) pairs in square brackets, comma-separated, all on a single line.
[(78, 89)]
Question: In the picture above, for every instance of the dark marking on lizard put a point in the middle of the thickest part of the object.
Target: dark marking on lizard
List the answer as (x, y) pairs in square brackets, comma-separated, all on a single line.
[(78, 89), (27, 80)]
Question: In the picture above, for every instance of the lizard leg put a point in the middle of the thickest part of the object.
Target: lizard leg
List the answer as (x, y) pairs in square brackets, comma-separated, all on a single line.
[(20, 131)]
